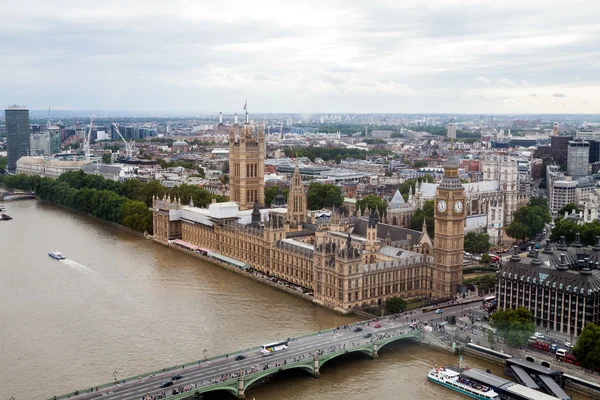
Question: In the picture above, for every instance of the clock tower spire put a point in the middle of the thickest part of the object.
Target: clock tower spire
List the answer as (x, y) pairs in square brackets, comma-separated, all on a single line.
[(448, 245)]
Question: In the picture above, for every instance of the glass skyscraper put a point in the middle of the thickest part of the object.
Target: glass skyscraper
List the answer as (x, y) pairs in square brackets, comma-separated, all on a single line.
[(17, 133)]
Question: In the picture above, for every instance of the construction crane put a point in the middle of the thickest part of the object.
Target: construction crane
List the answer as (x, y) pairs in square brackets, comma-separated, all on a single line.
[(129, 147), (87, 138)]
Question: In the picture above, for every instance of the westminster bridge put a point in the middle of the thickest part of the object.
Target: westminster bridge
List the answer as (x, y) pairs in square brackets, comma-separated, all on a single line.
[(233, 375)]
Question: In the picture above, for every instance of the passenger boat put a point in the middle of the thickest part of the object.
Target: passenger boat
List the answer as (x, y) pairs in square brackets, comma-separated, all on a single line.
[(5, 217), (56, 255), (453, 380)]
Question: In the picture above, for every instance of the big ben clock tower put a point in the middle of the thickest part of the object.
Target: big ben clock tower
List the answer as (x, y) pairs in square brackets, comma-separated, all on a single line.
[(448, 244)]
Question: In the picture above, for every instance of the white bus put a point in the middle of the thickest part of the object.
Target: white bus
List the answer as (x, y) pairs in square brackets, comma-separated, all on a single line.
[(268, 349)]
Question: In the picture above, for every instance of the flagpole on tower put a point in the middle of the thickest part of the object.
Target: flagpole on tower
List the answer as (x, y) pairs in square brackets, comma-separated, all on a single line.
[(246, 108)]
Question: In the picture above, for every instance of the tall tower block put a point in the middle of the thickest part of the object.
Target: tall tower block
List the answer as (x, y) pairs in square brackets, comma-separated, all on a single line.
[(448, 245), (246, 165)]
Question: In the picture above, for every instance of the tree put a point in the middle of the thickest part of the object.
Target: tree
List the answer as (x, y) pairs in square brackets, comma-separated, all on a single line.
[(477, 242), (395, 305), (485, 258), (372, 202), (322, 195), (106, 158), (486, 282), (419, 163), (569, 208), (273, 191), (517, 230), (338, 158), (565, 228), (424, 214), (225, 179), (3, 163), (515, 325), (587, 348)]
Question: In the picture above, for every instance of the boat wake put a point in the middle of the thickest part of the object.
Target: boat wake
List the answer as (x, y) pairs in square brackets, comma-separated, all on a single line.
[(77, 266)]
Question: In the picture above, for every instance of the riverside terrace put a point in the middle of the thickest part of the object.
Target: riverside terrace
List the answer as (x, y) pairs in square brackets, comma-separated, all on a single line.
[(308, 353)]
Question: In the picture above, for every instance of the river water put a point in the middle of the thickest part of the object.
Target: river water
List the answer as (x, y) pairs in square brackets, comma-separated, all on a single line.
[(123, 305)]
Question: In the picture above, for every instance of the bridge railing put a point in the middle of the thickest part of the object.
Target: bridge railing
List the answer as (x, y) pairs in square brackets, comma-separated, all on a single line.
[(188, 364)]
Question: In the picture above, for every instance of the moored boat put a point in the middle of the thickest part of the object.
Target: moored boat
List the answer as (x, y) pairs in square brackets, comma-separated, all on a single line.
[(453, 380), (5, 217), (57, 255)]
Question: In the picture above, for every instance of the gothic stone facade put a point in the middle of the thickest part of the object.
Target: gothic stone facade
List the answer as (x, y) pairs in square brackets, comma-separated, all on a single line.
[(343, 270)]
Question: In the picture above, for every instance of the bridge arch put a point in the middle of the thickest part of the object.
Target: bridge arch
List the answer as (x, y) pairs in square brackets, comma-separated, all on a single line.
[(326, 358), (274, 371), (229, 389), (393, 339)]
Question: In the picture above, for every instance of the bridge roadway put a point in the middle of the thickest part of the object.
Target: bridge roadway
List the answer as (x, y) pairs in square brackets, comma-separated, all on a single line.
[(207, 375)]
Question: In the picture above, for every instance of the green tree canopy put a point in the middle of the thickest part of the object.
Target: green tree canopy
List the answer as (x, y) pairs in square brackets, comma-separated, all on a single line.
[(569, 208), (587, 348), (515, 325), (406, 185), (588, 231), (477, 242), (371, 202), (271, 192), (529, 220), (424, 214), (321, 195), (106, 158), (395, 305)]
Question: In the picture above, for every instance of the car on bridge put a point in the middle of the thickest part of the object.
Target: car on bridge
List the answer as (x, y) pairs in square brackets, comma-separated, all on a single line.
[(166, 384), (439, 311), (240, 357), (357, 329), (368, 335), (378, 326), (176, 377)]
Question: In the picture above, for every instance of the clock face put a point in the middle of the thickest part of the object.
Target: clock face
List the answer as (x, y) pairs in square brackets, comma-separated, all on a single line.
[(441, 205), (458, 207)]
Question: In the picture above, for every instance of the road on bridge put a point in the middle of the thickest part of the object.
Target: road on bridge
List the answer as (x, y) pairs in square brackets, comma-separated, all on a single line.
[(215, 370)]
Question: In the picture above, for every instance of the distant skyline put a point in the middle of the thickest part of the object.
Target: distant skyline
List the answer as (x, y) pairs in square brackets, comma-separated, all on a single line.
[(328, 56)]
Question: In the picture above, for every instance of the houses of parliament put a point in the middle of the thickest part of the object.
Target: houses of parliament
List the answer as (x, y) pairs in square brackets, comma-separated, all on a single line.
[(343, 266)]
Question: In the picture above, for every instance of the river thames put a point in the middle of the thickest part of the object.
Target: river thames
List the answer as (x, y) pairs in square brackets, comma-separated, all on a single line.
[(121, 305)]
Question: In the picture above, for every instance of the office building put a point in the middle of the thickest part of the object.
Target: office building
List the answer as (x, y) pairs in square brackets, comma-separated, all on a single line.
[(17, 134), (578, 156), (558, 146), (562, 193), (560, 285), (451, 131)]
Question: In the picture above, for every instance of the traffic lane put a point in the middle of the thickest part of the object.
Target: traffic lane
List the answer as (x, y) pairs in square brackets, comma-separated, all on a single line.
[(215, 370), (198, 373)]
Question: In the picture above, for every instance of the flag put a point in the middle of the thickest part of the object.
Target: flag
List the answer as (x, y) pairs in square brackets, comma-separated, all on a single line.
[(245, 104)]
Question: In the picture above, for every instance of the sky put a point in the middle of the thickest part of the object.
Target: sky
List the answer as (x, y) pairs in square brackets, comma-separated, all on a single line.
[(355, 56)]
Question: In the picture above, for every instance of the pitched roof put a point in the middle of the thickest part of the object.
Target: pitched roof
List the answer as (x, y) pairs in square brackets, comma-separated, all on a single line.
[(397, 233), (397, 201)]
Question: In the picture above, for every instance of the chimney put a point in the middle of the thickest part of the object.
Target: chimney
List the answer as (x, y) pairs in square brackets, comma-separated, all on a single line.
[(220, 117), (562, 265)]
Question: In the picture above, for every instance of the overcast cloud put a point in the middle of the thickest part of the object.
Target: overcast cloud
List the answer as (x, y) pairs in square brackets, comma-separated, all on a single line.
[(535, 56)]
